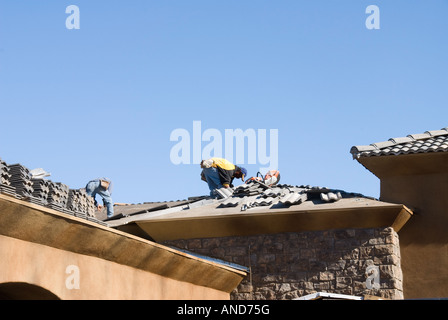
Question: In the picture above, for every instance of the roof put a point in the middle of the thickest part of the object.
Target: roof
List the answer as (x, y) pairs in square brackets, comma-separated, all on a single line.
[(244, 197), (254, 208), (45, 207), (45, 226), (126, 210), (251, 208), (18, 181), (429, 141)]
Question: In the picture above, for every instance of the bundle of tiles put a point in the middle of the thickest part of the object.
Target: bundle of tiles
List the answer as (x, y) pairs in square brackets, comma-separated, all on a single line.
[(21, 180), (90, 207), (223, 193), (4, 173), (41, 189), (248, 189), (17, 181), (57, 195), (80, 203), (5, 176)]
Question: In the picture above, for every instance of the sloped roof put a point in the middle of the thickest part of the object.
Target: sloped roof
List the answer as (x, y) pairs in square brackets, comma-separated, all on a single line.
[(254, 209), (38, 224), (429, 141), (126, 210), (245, 197), (17, 181)]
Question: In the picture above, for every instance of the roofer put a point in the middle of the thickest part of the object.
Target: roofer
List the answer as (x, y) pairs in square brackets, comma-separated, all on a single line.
[(219, 173), (103, 187)]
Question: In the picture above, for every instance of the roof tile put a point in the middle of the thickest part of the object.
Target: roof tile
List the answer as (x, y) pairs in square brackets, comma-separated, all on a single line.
[(429, 141)]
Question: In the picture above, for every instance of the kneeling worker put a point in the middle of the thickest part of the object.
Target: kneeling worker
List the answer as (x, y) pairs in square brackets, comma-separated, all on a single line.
[(219, 173)]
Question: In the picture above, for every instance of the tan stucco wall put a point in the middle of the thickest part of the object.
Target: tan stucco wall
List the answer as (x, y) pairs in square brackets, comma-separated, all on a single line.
[(424, 239), (419, 181), (44, 266)]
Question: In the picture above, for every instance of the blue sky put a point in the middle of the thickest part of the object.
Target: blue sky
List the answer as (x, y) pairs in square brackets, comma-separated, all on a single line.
[(104, 99)]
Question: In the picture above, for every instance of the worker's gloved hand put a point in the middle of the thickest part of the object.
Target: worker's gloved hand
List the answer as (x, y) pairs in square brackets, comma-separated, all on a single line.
[(99, 207)]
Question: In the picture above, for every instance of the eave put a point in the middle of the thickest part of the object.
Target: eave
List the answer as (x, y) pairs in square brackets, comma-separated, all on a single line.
[(209, 221), (406, 164), (33, 223)]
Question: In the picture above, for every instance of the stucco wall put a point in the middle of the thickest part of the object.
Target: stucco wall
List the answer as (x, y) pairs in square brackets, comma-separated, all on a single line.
[(290, 265), (424, 239), (75, 276), (420, 182)]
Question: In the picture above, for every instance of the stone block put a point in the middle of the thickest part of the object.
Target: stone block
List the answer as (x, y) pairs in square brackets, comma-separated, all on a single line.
[(326, 276)]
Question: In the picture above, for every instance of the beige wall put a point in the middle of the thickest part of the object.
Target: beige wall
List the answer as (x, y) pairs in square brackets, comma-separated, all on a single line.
[(26, 262), (419, 181), (424, 239)]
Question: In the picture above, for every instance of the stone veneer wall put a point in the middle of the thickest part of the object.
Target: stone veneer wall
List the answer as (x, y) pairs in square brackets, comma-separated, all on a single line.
[(291, 265)]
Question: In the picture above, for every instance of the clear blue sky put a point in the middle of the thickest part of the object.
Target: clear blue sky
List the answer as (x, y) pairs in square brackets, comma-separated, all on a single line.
[(104, 99)]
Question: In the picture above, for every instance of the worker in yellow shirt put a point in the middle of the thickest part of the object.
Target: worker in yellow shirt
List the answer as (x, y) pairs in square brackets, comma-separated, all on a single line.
[(219, 173)]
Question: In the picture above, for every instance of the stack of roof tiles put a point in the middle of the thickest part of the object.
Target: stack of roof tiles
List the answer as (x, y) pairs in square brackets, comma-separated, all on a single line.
[(80, 203), (21, 180), (5, 176), (223, 192), (254, 194), (17, 181), (40, 189), (249, 189), (58, 196)]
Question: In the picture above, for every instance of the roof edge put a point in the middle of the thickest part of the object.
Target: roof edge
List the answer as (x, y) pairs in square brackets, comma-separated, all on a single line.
[(33, 223), (374, 149), (371, 214)]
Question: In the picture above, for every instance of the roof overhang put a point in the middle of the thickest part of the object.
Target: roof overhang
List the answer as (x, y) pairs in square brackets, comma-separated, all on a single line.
[(210, 221), (406, 164), (29, 222)]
